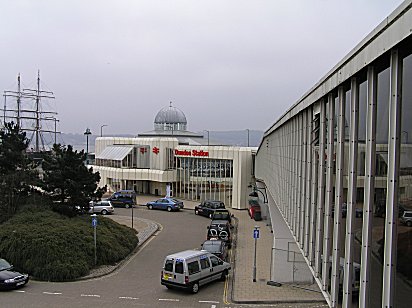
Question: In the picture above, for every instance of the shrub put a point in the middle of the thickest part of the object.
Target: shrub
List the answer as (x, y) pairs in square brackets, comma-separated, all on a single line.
[(53, 247)]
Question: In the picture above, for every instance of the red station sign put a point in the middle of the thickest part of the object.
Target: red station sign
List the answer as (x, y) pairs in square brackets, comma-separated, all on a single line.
[(195, 153)]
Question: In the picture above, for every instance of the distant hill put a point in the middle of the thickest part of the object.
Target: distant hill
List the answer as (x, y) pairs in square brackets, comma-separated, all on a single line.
[(237, 138)]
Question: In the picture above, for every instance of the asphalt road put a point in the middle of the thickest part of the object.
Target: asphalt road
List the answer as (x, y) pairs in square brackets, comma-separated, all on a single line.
[(137, 283)]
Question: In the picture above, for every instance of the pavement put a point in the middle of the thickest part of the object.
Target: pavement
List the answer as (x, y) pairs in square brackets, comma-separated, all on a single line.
[(241, 287)]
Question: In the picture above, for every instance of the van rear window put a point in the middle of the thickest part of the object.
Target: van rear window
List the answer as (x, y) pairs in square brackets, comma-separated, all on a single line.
[(169, 265), (179, 267), (193, 267)]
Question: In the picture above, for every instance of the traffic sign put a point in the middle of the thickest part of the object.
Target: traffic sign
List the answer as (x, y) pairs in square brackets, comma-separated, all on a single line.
[(256, 233), (94, 222)]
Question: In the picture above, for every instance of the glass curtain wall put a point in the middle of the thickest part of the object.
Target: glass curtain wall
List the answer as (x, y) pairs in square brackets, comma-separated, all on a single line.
[(403, 283), (205, 179)]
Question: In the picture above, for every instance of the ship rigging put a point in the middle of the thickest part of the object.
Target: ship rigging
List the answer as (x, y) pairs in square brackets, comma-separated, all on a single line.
[(19, 108)]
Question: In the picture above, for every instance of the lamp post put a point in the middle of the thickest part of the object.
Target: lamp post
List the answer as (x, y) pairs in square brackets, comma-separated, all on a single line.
[(101, 129), (207, 137), (247, 136), (87, 133)]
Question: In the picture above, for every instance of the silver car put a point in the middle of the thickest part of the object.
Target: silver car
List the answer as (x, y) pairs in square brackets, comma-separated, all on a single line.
[(102, 207), (406, 218)]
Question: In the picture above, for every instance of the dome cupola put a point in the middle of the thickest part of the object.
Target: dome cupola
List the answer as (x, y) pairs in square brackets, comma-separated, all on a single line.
[(170, 118)]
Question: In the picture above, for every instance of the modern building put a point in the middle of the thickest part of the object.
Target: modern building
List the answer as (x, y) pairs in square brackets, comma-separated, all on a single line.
[(337, 169), (170, 156)]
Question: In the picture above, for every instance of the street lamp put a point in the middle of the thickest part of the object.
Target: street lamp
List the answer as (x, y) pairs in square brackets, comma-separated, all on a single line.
[(247, 136), (87, 133), (254, 193), (207, 137), (101, 129)]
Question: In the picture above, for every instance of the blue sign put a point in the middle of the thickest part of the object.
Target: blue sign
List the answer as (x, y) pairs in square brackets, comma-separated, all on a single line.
[(255, 233), (94, 222)]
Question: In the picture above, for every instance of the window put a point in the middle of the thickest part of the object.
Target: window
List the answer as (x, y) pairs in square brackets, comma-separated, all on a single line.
[(204, 263), (169, 265), (193, 267), (214, 260), (179, 267)]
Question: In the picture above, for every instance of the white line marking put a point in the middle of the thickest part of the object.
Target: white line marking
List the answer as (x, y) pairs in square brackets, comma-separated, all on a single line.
[(210, 302), (127, 297), (90, 295), (20, 291), (169, 299), (213, 306), (52, 293)]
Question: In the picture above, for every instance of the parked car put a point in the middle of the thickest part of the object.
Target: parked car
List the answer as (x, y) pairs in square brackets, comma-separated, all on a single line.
[(190, 269), (220, 230), (380, 209), (406, 218), (101, 207), (223, 214), (216, 247), (168, 204), (10, 279), (358, 211), (208, 207), (123, 198), (255, 211)]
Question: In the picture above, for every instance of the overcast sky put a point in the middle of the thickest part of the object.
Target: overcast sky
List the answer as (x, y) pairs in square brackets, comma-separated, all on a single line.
[(228, 65)]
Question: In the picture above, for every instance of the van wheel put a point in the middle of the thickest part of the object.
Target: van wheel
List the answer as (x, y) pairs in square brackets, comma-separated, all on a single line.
[(409, 223), (169, 209), (224, 274), (150, 207), (195, 288), (126, 206)]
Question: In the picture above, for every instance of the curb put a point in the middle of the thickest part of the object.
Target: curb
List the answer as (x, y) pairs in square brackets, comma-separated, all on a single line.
[(258, 302), (143, 236)]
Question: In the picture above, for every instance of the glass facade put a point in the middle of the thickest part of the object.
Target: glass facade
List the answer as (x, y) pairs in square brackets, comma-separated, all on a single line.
[(204, 179), (338, 165)]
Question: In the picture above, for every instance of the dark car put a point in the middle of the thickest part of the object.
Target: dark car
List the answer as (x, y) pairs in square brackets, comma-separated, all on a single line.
[(207, 207), (220, 230), (10, 279), (380, 209), (168, 204), (358, 211), (123, 198), (216, 247), (222, 214)]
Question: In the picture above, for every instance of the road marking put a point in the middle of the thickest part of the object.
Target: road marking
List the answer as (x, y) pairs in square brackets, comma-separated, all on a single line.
[(210, 302), (90, 295), (52, 293), (169, 299), (20, 291), (127, 297), (213, 306)]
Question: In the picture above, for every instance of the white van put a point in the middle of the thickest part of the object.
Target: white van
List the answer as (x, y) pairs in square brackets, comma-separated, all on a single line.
[(191, 269)]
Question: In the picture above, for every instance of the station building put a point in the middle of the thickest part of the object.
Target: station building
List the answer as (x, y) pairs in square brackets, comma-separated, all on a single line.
[(171, 157)]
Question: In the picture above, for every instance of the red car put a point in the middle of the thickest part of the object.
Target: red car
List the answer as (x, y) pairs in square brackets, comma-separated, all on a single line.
[(255, 211)]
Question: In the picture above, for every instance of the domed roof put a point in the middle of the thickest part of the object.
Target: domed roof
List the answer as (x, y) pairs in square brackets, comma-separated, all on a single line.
[(170, 115)]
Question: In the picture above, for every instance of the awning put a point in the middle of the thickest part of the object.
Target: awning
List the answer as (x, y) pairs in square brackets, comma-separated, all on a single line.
[(115, 152)]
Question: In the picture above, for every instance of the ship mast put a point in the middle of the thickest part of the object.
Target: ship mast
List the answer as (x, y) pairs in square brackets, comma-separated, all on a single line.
[(32, 115)]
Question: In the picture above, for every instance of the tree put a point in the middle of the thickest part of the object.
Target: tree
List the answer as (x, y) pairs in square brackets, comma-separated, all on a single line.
[(68, 181), (17, 170)]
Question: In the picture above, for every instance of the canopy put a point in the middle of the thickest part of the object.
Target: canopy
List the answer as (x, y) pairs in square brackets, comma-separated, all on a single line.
[(115, 152)]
